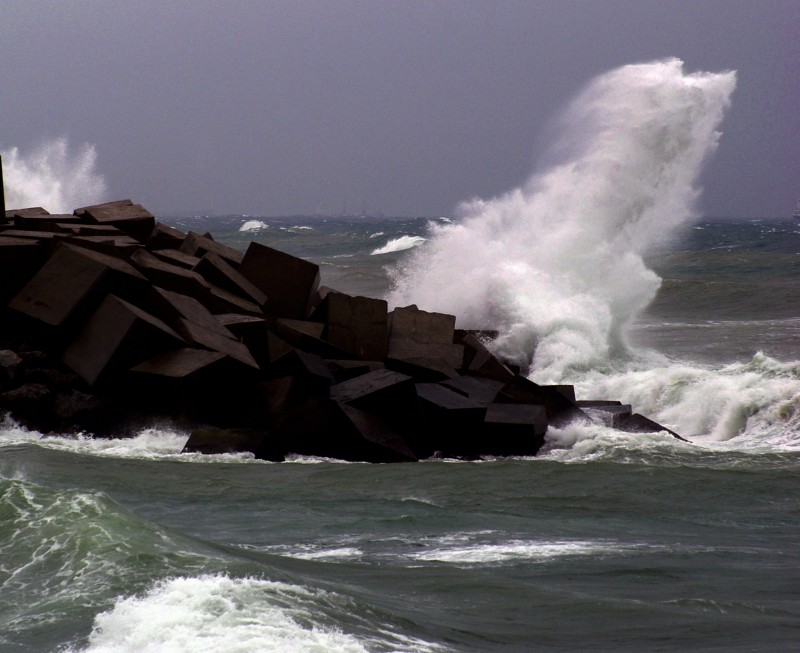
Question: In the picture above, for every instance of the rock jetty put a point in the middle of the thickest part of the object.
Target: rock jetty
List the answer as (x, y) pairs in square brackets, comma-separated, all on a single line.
[(109, 319)]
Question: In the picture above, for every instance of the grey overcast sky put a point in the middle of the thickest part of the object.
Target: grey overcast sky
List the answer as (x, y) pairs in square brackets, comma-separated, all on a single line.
[(409, 107)]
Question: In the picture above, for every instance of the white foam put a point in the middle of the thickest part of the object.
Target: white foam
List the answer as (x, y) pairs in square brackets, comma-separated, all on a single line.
[(399, 244), (154, 443), (53, 177), (519, 550), (253, 225), (557, 264), (748, 405), (217, 613)]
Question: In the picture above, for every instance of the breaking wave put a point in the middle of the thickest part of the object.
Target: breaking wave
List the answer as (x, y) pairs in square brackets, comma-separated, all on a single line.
[(399, 244), (557, 264), (253, 225)]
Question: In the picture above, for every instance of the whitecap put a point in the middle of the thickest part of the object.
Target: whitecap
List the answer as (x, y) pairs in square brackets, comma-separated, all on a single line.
[(218, 613), (253, 225), (399, 244)]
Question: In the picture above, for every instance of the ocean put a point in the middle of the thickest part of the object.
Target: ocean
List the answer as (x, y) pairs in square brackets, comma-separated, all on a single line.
[(597, 273), (606, 541)]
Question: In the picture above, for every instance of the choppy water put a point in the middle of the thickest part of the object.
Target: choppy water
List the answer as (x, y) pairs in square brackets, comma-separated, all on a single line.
[(608, 541), (605, 542)]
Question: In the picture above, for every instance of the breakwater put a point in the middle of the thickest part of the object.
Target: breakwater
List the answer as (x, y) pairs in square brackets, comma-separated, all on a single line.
[(111, 318)]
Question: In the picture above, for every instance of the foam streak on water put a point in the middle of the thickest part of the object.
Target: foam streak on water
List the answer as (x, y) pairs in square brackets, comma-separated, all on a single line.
[(53, 177), (557, 264)]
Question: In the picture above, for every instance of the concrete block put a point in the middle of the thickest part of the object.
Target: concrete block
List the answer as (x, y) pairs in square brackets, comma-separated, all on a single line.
[(450, 423), (385, 394), (66, 281), (343, 370), (179, 363), (117, 337), (559, 407), (31, 234), (43, 222), (176, 257), (358, 325), (170, 277), (425, 361), (302, 364), (20, 259), (82, 229), (173, 306), (243, 440), (222, 301), (379, 392), (131, 218), (484, 335), (480, 361), (305, 335), (33, 210), (360, 436), (289, 282), (408, 323), (218, 272), (165, 237), (514, 429), (265, 346), (198, 245), (297, 410), (478, 389), (637, 423), (119, 246), (212, 339)]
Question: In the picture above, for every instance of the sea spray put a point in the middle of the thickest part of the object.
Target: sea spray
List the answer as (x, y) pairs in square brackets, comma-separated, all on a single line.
[(52, 176), (556, 265)]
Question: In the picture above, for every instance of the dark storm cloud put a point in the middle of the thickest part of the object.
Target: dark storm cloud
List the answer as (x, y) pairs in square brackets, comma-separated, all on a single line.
[(407, 107)]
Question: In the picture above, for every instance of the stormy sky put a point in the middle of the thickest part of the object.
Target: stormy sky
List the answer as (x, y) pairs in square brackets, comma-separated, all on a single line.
[(407, 108)]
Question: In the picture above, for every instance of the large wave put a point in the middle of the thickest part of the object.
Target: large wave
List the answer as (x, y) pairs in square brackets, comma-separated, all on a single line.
[(557, 264), (52, 176)]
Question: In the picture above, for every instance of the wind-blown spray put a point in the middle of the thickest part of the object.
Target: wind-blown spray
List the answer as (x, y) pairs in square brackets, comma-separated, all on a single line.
[(557, 264), (52, 177)]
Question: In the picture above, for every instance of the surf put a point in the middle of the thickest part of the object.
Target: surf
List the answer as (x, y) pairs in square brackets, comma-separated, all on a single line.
[(557, 264), (53, 175)]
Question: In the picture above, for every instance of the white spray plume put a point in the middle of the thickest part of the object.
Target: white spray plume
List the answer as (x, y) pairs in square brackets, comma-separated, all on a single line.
[(52, 177), (557, 265)]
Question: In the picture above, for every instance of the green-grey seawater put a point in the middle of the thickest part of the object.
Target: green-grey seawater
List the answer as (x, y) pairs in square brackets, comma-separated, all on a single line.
[(606, 542)]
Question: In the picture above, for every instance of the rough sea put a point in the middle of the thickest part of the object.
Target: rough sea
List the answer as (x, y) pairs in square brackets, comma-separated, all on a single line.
[(596, 274)]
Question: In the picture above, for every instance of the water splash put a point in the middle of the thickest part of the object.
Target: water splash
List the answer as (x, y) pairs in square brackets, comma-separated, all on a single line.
[(557, 264), (53, 177)]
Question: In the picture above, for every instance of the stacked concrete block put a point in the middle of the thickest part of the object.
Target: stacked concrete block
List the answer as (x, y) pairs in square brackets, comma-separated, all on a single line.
[(139, 319), (289, 282)]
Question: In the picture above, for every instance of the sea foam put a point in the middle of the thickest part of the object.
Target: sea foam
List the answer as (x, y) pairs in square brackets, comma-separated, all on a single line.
[(52, 176), (215, 613), (557, 264)]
